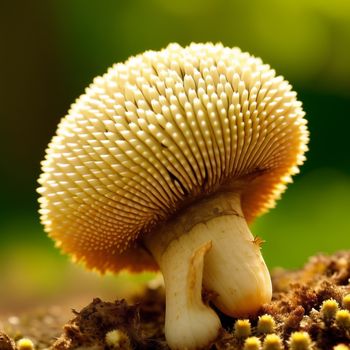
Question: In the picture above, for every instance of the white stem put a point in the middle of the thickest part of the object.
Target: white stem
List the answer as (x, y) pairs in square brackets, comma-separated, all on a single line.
[(234, 268), (189, 323), (212, 233)]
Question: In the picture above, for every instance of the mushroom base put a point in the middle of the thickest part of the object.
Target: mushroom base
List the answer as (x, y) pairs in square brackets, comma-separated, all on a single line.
[(208, 244)]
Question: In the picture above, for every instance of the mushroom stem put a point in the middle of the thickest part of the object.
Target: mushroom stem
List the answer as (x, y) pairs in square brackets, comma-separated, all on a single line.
[(189, 323), (208, 243), (235, 269)]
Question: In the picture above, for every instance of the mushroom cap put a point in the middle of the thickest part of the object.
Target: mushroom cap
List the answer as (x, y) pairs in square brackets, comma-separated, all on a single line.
[(158, 132)]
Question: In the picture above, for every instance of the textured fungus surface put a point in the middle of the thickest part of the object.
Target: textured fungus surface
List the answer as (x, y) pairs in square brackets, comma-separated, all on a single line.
[(155, 134)]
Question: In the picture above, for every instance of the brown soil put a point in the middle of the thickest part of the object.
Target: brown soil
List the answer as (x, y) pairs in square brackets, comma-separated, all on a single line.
[(297, 298)]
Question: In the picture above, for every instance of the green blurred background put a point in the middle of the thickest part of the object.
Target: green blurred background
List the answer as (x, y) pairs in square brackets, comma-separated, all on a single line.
[(51, 50)]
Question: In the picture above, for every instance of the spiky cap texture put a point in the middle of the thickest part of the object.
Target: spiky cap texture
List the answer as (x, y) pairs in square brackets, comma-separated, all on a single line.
[(159, 132)]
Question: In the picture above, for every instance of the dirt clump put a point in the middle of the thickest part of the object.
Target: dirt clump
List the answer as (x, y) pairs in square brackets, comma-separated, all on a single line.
[(308, 300)]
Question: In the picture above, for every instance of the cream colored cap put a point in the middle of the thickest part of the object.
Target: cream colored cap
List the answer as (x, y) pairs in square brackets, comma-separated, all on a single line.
[(158, 132)]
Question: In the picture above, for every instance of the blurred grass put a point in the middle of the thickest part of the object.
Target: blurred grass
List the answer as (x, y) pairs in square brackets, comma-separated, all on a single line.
[(33, 272), (312, 217)]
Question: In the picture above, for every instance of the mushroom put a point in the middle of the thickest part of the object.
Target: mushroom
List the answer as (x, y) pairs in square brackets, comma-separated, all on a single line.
[(161, 163)]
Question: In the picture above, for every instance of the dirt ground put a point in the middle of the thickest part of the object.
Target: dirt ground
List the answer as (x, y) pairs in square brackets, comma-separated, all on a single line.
[(296, 306)]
